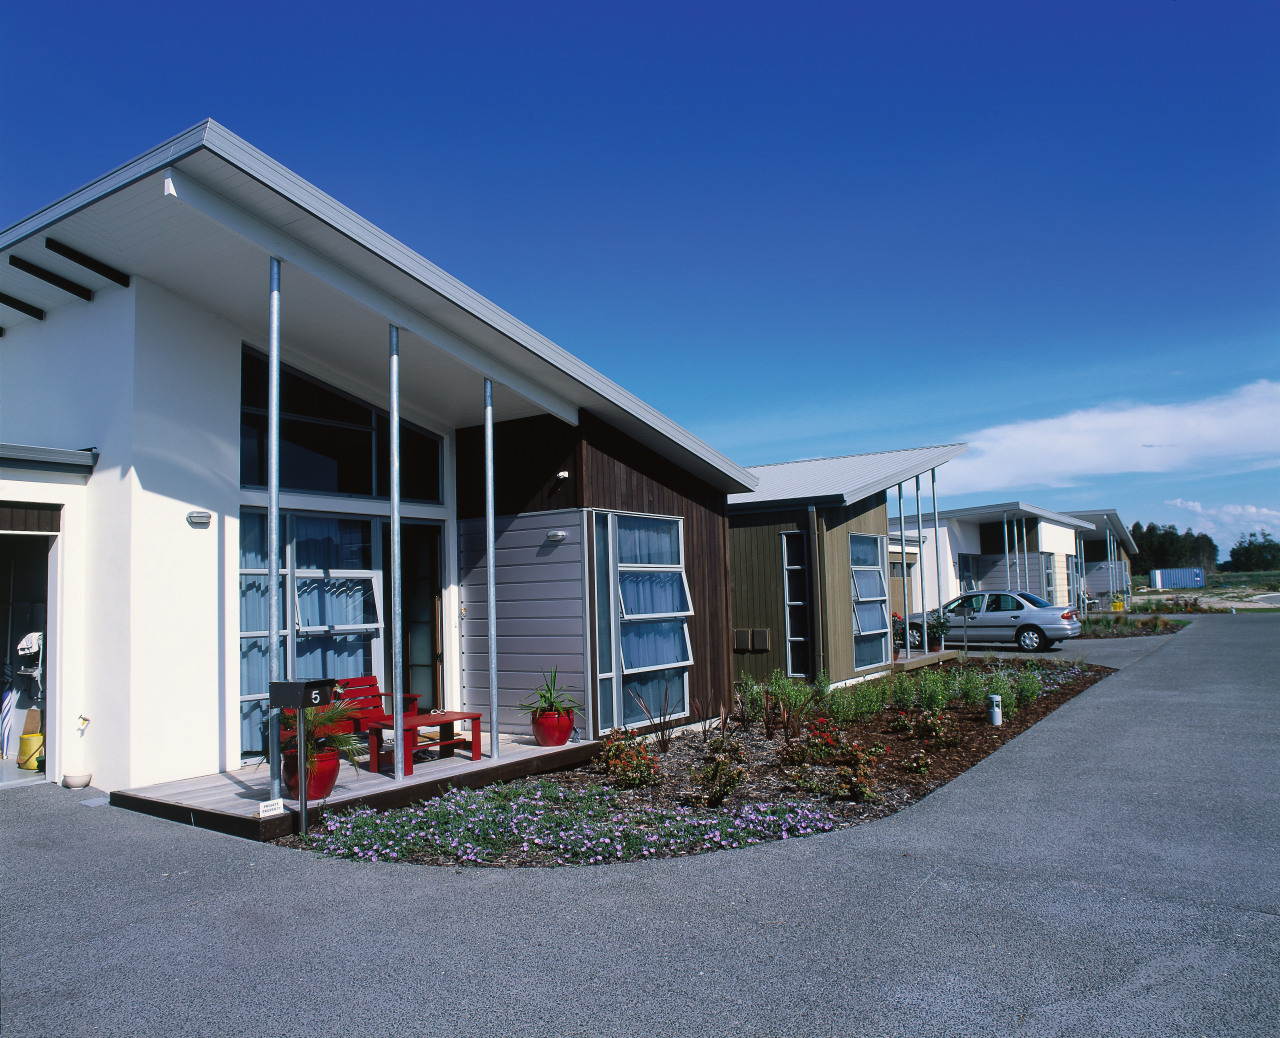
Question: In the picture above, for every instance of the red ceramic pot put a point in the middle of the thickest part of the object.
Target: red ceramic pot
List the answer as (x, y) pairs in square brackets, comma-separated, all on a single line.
[(551, 728), (322, 776)]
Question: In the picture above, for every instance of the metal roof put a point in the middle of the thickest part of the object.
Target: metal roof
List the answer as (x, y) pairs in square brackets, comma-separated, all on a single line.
[(48, 459), (200, 213), (840, 481), (1010, 510), (1111, 517)]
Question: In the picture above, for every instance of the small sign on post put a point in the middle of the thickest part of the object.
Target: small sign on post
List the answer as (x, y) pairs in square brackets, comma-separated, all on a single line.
[(964, 612), (300, 696)]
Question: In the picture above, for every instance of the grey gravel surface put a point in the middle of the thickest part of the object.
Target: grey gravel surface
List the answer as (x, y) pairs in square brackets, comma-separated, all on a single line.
[(1115, 870)]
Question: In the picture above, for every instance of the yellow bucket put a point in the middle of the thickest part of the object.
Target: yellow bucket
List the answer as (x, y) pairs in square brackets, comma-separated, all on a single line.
[(1117, 607), (30, 747)]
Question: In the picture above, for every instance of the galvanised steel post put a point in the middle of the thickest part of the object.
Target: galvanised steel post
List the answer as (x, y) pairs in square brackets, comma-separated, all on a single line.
[(937, 544), (902, 554), (1026, 554), (490, 579), (924, 602), (1017, 559), (1004, 526), (397, 628), (274, 622)]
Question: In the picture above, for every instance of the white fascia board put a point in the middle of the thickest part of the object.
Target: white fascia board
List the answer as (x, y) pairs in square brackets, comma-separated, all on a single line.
[(1015, 510), (1112, 519), (143, 166), (918, 467), (274, 242)]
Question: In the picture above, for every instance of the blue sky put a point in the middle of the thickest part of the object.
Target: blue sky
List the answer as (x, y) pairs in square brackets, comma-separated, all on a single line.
[(799, 230)]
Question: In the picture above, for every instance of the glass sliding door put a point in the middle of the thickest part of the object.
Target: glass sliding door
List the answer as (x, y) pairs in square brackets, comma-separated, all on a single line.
[(331, 608)]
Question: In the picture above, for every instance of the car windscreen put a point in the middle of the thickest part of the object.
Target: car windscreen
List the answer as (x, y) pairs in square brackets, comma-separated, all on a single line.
[(1035, 600)]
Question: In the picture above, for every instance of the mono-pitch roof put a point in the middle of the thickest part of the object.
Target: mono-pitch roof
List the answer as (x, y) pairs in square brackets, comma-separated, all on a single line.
[(1101, 517), (839, 481), (201, 214), (1010, 510)]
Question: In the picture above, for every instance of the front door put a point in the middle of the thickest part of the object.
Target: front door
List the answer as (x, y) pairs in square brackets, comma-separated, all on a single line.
[(421, 594)]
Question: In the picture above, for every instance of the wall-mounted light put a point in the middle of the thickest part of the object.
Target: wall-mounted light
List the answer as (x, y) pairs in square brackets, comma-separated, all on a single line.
[(199, 520), (555, 536), (562, 475)]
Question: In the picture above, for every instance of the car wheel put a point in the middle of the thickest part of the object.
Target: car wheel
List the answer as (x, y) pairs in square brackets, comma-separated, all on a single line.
[(915, 636), (1032, 639)]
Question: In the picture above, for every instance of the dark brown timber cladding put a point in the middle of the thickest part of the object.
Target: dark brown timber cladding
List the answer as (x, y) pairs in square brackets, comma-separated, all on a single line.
[(619, 474), (528, 455), (26, 518)]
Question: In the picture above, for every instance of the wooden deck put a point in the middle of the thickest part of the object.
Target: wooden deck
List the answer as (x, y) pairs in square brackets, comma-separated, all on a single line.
[(228, 802), (929, 659)]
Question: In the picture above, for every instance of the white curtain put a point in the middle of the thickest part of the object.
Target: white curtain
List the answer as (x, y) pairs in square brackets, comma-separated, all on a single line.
[(650, 593), (652, 643), (648, 542)]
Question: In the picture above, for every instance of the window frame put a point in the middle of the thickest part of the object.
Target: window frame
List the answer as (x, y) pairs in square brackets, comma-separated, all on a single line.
[(610, 556), (792, 638), (857, 599)]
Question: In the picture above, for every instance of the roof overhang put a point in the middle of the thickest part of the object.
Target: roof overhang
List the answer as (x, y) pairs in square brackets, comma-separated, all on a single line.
[(202, 214), (842, 481), (1012, 510), (1108, 517), (48, 459)]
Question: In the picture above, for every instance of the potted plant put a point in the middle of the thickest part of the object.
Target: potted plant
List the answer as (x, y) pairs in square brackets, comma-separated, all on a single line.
[(899, 634), (550, 712), (937, 624), (330, 736)]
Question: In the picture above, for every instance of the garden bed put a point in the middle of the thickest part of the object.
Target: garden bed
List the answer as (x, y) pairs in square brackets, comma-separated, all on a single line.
[(1120, 625), (792, 761)]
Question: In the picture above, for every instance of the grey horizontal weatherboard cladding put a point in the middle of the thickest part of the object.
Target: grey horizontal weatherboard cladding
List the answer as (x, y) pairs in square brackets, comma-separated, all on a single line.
[(541, 611), (994, 577)]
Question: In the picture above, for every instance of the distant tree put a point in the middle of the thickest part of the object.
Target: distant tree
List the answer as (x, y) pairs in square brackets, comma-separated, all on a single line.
[(1163, 547), (1256, 552)]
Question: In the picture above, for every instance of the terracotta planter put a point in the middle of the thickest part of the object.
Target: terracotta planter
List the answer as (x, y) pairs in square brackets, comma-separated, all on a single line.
[(322, 776), (551, 728)]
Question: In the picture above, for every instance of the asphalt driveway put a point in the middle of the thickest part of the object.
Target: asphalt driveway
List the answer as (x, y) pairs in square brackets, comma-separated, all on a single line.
[(1114, 870)]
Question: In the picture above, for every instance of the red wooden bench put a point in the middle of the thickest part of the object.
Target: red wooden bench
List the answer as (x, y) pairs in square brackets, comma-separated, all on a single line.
[(442, 719), (370, 717)]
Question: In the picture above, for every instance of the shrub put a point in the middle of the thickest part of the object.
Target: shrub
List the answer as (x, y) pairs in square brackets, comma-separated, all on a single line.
[(998, 684), (1027, 688), (972, 687), (903, 696), (718, 777), (750, 696), (626, 760), (918, 762), (933, 689), (928, 725)]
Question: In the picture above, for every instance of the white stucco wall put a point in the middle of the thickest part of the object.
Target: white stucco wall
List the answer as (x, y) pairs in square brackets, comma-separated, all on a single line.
[(184, 617), (1061, 540), (144, 601)]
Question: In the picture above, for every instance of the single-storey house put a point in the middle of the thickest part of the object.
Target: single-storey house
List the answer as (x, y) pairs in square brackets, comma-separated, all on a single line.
[(199, 342), (1108, 550), (813, 584), (1011, 545)]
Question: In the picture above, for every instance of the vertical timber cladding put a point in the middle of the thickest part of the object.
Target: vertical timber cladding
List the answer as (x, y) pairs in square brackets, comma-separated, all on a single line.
[(609, 470), (869, 516), (618, 474), (757, 597)]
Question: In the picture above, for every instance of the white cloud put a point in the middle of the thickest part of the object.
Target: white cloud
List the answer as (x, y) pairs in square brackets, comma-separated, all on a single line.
[(1241, 427), (1230, 520)]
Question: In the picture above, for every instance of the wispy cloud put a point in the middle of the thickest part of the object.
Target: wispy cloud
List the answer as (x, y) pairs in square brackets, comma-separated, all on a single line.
[(1239, 428), (1229, 520)]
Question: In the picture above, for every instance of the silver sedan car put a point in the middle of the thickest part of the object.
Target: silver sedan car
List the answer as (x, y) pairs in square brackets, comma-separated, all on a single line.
[(1012, 616)]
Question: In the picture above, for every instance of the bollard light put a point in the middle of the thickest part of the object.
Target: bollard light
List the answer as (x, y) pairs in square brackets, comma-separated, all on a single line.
[(994, 710)]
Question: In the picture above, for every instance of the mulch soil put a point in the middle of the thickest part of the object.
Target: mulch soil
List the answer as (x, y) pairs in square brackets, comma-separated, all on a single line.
[(766, 780)]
